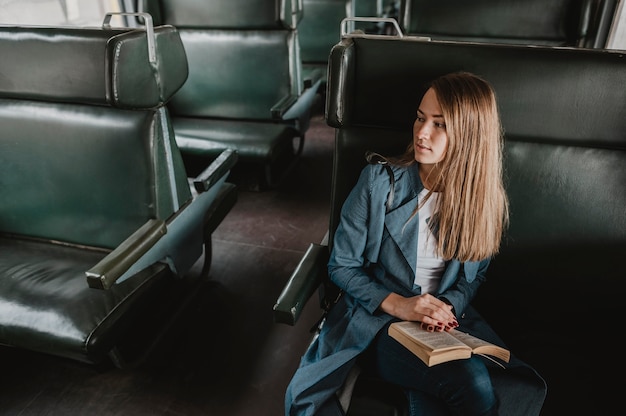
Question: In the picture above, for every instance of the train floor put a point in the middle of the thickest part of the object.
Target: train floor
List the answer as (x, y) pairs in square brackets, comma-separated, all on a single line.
[(226, 357)]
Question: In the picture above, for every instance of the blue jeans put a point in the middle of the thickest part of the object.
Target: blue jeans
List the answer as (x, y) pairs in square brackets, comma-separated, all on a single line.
[(463, 387)]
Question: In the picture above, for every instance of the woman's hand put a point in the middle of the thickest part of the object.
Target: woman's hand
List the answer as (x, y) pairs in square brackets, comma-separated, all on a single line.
[(434, 314)]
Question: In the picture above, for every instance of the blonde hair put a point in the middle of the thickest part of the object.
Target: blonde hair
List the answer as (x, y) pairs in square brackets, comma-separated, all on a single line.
[(472, 208)]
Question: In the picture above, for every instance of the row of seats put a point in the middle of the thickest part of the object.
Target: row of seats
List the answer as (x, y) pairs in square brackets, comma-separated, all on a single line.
[(109, 238), (575, 23), (100, 224), (256, 67), (135, 113)]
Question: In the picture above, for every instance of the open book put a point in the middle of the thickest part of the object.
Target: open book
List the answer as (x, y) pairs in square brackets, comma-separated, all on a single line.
[(438, 347)]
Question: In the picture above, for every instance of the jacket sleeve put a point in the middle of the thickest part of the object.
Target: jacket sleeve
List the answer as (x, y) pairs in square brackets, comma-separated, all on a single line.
[(358, 231), (470, 276)]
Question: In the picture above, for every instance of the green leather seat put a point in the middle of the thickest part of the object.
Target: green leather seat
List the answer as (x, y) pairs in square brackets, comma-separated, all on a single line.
[(577, 23), (245, 89), (564, 120), (98, 223), (319, 31)]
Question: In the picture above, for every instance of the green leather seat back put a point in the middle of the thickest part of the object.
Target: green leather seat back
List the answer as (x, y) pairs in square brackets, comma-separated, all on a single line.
[(86, 154), (49, 160), (525, 79), (103, 67), (244, 56), (231, 14), (538, 22), (545, 100), (319, 29), (237, 74), (368, 8)]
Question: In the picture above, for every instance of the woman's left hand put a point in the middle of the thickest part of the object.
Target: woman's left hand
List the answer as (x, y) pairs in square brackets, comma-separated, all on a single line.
[(434, 314)]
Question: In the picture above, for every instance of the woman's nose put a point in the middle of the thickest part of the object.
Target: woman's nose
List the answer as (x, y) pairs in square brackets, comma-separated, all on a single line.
[(422, 131)]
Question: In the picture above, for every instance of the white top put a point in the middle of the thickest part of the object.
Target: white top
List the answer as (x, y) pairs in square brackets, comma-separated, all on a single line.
[(429, 266)]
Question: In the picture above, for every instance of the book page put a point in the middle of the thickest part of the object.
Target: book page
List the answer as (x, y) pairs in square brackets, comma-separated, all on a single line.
[(480, 346), (468, 339), (435, 341)]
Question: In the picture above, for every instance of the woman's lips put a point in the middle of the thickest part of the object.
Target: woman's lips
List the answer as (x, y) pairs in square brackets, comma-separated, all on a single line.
[(421, 147)]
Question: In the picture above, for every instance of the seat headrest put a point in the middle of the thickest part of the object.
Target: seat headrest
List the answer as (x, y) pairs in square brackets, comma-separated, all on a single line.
[(563, 22), (226, 14), (92, 66), (562, 95)]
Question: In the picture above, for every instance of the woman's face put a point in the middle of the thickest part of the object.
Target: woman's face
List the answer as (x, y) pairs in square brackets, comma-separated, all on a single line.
[(430, 138)]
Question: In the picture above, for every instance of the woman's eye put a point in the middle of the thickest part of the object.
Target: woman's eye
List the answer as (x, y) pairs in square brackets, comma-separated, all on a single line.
[(421, 119), (441, 125)]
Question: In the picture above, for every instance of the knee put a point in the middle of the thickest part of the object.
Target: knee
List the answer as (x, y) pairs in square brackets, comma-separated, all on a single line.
[(470, 389), (471, 372)]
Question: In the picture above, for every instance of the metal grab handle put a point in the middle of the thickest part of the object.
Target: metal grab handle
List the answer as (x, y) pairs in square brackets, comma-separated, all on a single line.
[(394, 22), (149, 27)]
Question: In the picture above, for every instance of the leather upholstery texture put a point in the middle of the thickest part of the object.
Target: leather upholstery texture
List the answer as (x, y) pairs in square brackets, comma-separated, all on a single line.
[(92, 66), (319, 30), (229, 77), (533, 22), (231, 14)]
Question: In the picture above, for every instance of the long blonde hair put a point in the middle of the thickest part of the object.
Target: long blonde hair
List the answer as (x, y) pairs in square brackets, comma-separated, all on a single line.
[(472, 207)]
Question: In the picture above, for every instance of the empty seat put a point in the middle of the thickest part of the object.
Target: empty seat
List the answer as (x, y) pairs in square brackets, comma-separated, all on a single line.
[(580, 23), (245, 89), (99, 227), (319, 32)]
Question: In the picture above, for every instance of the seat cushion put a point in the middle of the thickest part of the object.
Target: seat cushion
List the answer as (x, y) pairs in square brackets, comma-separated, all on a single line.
[(253, 141), (47, 306)]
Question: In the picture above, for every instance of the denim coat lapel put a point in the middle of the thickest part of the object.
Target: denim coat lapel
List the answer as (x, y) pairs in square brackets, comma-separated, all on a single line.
[(404, 233)]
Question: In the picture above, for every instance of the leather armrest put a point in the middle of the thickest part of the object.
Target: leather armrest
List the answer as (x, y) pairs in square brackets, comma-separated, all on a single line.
[(280, 108), (218, 168), (292, 107), (303, 282), (313, 77), (104, 274)]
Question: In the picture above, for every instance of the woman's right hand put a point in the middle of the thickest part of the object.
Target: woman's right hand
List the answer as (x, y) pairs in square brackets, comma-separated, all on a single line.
[(435, 314)]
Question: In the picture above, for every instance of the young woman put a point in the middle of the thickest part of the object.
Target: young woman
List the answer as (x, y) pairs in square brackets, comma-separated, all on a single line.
[(419, 257)]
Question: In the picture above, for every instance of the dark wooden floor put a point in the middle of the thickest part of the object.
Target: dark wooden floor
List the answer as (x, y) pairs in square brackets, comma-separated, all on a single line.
[(227, 356)]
